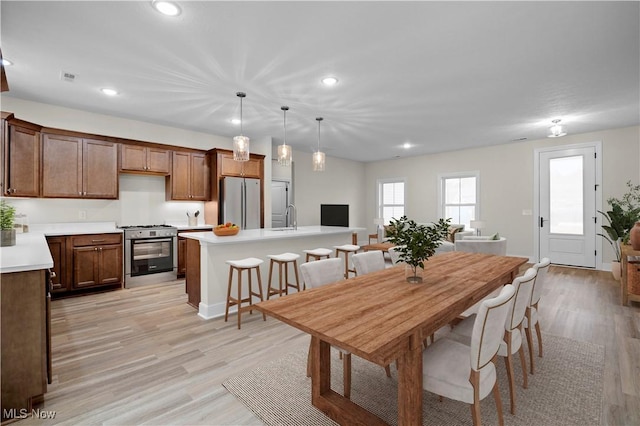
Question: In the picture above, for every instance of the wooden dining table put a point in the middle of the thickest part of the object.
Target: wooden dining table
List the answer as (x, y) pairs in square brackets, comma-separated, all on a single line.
[(382, 318)]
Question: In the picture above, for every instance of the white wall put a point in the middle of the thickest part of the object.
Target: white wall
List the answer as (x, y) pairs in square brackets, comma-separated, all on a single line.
[(142, 198), (506, 181)]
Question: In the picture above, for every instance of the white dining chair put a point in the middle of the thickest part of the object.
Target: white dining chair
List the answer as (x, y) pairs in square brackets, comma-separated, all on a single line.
[(394, 255), (512, 341), (531, 315), (467, 373), (368, 261)]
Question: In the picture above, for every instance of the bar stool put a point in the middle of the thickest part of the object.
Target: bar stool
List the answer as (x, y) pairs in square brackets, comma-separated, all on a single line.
[(318, 253), (243, 265), (283, 260), (346, 249)]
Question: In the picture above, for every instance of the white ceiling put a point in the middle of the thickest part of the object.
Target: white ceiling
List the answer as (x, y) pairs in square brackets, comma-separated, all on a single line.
[(440, 75)]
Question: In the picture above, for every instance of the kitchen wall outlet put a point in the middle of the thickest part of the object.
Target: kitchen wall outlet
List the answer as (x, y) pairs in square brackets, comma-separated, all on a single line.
[(527, 212), (82, 214)]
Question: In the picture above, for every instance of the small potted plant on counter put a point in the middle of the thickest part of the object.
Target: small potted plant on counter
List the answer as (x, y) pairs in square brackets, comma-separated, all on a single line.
[(416, 243), (7, 219)]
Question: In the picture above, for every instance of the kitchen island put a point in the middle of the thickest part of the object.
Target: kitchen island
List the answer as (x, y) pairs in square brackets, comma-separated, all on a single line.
[(207, 273)]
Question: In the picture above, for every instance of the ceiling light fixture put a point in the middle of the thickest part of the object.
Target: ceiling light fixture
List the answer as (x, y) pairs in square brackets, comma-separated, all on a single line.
[(241, 143), (109, 92), (318, 156), (406, 145), (556, 130), (329, 81), (166, 7), (6, 62), (235, 121), (284, 151)]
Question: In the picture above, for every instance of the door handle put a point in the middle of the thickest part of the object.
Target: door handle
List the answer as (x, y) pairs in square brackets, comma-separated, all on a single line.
[(542, 221)]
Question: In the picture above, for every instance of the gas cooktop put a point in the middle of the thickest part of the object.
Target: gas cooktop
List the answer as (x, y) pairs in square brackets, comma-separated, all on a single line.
[(145, 226)]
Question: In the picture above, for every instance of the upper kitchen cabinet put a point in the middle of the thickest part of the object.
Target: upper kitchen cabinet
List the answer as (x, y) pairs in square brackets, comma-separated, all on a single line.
[(144, 160), (20, 158), (189, 178), (74, 167)]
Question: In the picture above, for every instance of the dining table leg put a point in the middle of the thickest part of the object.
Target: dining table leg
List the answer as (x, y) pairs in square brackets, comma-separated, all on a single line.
[(410, 384)]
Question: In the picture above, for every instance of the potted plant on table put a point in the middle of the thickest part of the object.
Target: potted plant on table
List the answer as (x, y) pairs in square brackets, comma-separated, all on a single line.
[(624, 213), (7, 219), (416, 243)]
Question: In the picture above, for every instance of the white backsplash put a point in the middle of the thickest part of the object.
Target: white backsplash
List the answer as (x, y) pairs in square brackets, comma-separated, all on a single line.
[(142, 201)]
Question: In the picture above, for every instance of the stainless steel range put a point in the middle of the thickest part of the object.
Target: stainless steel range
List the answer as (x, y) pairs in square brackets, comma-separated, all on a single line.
[(150, 254)]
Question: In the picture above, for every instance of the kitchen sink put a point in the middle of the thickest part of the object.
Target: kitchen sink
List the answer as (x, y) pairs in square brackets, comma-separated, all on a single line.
[(283, 229)]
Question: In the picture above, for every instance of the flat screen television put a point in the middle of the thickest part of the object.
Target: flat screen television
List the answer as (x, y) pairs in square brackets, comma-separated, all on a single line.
[(334, 215)]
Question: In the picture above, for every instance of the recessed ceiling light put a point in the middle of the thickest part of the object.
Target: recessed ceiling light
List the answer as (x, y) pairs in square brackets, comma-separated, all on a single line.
[(166, 7), (235, 121), (329, 81), (406, 145), (6, 62), (109, 92)]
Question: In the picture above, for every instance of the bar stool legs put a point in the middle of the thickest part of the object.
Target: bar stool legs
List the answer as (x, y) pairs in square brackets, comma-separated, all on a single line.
[(239, 266), (346, 249), (283, 260)]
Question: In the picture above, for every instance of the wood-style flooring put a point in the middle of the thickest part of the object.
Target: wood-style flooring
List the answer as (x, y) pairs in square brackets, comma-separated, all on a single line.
[(143, 356)]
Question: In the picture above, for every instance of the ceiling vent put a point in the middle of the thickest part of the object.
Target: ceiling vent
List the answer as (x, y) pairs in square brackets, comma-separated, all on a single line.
[(67, 76)]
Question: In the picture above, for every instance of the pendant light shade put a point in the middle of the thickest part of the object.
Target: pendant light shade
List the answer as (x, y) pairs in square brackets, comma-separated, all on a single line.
[(556, 130), (318, 156), (241, 143), (284, 151)]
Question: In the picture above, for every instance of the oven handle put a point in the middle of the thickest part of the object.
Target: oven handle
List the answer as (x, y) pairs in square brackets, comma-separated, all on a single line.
[(152, 240)]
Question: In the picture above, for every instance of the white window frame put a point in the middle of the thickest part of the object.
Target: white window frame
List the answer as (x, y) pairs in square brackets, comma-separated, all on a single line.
[(457, 175), (379, 183)]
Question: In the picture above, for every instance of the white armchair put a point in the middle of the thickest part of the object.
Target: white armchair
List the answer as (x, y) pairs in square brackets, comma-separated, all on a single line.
[(482, 245)]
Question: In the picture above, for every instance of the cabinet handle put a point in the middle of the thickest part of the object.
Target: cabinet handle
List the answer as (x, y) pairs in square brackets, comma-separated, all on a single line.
[(98, 241), (53, 274), (95, 249)]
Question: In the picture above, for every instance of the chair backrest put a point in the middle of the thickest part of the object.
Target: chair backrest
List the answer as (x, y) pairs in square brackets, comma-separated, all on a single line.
[(541, 276), (523, 287), (394, 255), (473, 245), (321, 272), (369, 261), (488, 328)]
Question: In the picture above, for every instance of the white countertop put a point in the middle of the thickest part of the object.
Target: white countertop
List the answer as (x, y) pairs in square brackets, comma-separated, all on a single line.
[(250, 235), (185, 225), (74, 228), (30, 253)]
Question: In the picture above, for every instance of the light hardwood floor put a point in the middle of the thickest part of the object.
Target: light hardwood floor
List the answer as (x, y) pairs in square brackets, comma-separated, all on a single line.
[(143, 356)]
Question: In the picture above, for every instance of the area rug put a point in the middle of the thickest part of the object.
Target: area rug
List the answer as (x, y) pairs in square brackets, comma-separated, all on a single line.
[(566, 389)]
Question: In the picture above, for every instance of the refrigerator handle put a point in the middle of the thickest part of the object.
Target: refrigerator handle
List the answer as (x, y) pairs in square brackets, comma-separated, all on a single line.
[(243, 203)]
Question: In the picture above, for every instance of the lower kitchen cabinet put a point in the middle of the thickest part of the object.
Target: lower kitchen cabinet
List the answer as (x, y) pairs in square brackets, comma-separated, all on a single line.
[(182, 251), (58, 249)]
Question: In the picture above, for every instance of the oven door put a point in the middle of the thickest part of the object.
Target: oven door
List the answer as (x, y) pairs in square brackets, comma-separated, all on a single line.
[(151, 256)]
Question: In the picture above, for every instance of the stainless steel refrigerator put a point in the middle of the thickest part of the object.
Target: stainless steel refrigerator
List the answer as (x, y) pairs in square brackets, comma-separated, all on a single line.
[(240, 202)]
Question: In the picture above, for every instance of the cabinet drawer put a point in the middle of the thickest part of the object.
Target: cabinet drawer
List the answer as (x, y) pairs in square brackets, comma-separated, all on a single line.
[(96, 239)]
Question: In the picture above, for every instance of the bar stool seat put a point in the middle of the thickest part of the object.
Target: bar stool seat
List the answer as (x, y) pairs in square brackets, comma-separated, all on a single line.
[(346, 249), (283, 260), (243, 265), (318, 253)]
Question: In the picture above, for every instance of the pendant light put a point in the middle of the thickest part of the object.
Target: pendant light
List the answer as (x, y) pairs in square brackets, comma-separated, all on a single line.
[(284, 151), (241, 143), (556, 130), (318, 156)]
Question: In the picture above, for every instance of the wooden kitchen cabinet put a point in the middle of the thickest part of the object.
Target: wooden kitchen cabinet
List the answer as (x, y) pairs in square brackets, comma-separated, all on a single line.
[(21, 159), (96, 260), (58, 249), (144, 160), (74, 167), (189, 178), (230, 167), (182, 250)]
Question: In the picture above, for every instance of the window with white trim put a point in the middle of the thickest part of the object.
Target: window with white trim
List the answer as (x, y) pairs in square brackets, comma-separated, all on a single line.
[(390, 199), (459, 197)]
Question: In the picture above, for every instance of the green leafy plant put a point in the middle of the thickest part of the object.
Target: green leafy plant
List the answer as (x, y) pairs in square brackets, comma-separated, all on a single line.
[(624, 213), (416, 243), (7, 215)]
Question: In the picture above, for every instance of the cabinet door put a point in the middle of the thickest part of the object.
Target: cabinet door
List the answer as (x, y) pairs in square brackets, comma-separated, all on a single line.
[(110, 268), (100, 169), (85, 266), (199, 185), (158, 160), (57, 247), (22, 168), (230, 167), (180, 176), (133, 158), (182, 253), (61, 166)]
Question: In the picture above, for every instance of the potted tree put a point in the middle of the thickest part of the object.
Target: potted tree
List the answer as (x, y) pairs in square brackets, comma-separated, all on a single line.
[(416, 243), (621, 217), (7, 230)]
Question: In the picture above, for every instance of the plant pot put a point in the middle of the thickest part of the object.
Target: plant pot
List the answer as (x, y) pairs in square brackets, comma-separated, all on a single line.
[(7, 237), (413, 275), (634, 236), (615, 270)]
